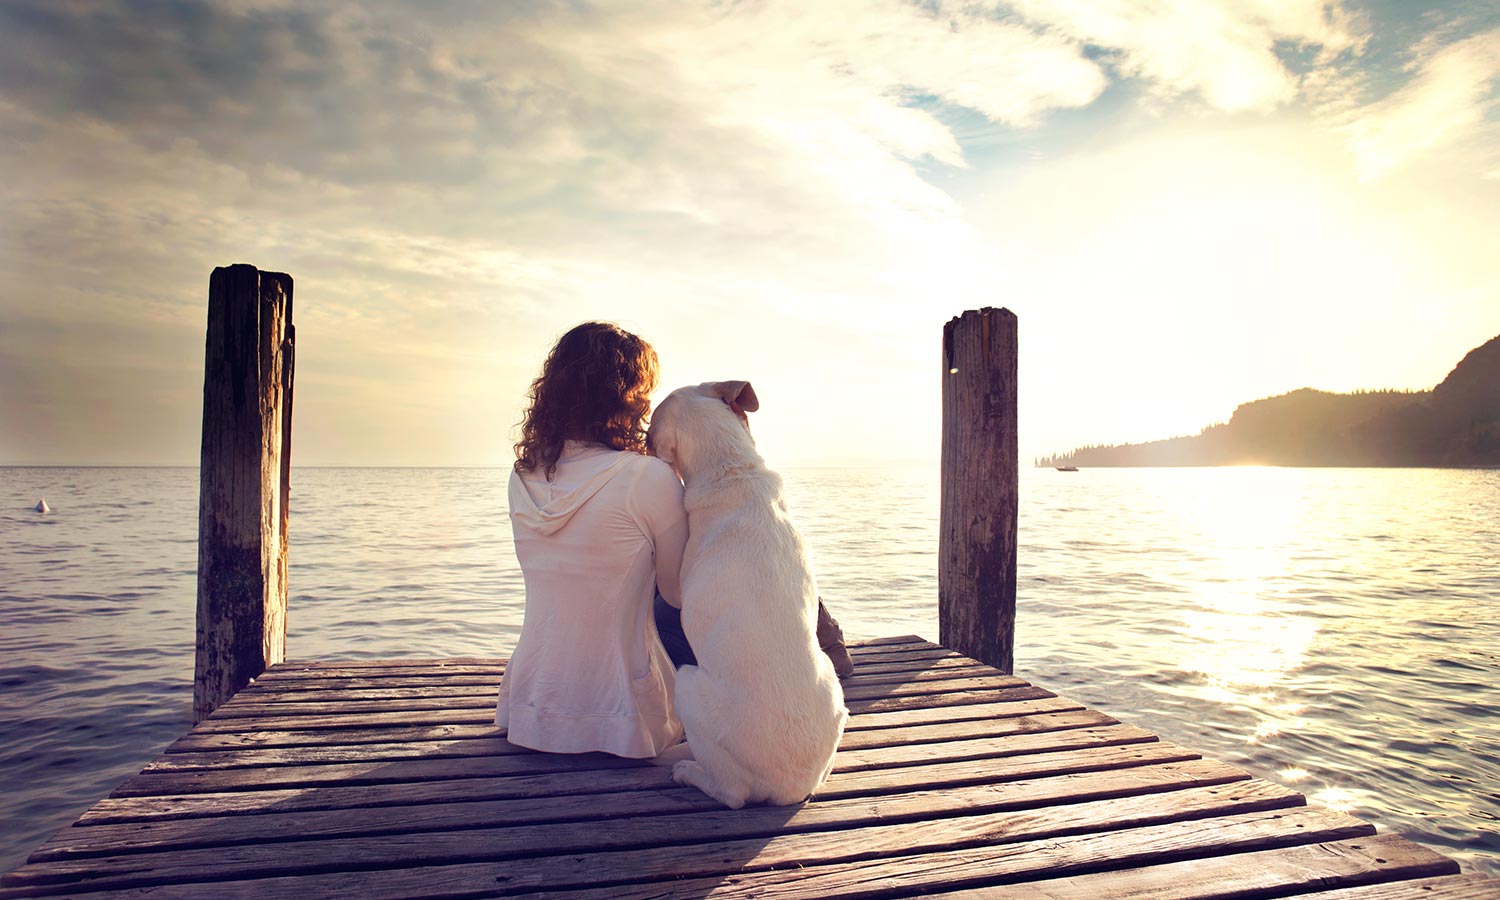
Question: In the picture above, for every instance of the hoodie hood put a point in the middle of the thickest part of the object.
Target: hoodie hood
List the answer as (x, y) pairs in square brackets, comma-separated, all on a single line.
[(546, 506)]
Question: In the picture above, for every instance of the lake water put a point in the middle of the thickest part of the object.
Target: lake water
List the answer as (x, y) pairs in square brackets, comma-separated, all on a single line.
[(1334, 630)]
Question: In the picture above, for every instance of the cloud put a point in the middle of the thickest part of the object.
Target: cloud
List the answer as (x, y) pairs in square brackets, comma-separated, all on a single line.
[(1224, 51), (452, 182), (720, 142), (1450, 101)]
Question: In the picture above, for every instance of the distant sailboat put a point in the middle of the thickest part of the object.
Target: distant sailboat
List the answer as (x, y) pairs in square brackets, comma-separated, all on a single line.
[(41, 506)]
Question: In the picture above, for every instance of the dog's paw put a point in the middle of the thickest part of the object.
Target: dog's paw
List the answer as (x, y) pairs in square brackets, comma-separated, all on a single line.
[(691, 773)]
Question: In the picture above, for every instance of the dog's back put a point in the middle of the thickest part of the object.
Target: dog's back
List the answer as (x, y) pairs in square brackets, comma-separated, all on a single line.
[(763, 709)]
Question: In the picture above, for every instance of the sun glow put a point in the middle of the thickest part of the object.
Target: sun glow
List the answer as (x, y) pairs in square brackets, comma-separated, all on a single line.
[(1210, 267), (1248, 640)]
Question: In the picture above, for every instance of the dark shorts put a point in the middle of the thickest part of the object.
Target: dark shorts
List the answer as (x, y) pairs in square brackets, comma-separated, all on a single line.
[(669, 627)]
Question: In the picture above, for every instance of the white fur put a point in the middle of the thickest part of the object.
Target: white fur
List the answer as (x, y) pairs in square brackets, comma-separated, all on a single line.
[(763, 708)]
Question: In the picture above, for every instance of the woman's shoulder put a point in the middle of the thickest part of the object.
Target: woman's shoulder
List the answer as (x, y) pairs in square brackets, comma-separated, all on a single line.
[(652, 467), (652, 476)]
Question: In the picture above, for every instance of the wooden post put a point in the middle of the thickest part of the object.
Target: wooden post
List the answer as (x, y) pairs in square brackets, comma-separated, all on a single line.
[(243, 482), (977, 531)]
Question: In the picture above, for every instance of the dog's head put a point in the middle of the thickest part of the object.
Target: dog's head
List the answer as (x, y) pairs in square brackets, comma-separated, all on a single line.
[(696, 420)]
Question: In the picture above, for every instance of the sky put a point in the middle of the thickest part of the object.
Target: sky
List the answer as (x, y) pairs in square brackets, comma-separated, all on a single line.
[(1189, 204)]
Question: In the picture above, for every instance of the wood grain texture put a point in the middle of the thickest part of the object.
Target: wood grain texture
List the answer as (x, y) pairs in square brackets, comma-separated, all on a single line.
[(977, 519), (1452, 887), (242, 514), (975, 786), (402, 683), (1128, 746), (163, 833), (1284, 870), (261, 733), (663, 847), (1028, 858), (301, 748), (260, 702)]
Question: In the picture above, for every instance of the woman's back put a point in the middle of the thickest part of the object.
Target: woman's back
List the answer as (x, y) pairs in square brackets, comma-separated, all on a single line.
[(588, 672)]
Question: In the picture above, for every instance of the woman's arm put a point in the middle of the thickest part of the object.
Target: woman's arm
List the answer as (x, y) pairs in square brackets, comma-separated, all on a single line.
[(656, 498), (669, 547)]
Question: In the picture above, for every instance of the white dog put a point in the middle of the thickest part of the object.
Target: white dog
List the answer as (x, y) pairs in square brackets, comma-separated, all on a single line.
[(763, 708)]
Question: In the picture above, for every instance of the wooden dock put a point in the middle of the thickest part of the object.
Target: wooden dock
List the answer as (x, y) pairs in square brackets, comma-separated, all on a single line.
[(389, 779)]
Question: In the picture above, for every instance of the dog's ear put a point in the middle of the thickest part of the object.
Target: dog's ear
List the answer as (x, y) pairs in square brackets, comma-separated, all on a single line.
[(738, 394)]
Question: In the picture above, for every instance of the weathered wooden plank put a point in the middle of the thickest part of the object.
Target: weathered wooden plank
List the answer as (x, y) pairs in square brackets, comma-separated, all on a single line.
[(1009, 861), (492, 745), (863, 643), (911, 681), (660, 847), (314, 665), (791, 866), (951, 698), (166, 834), (915, 648), (490, 742), (387, 662), (857, 646), (1451, 887), (290, 688), (861, 650), (852, 784), (1014, 744), (481, 715), (373, 772), (423, 701), (990, 748), (171, 781), (1278, 872), (398, 731), (970, 730), (869, 669), (361, 702), (279, 679), (974, 849), (939, 685), (352, 720), (279, 674), (196, 741), (357, 690), (278, 684), (967, 712), (922, 650), (866, 782)]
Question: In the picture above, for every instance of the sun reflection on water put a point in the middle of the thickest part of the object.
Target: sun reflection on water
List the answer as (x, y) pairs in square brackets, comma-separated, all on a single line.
[(1332, 629), (1337, 799), (1245, 638)]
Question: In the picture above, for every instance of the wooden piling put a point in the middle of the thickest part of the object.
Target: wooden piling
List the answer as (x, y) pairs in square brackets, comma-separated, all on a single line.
[(243, 482), (977, 531)]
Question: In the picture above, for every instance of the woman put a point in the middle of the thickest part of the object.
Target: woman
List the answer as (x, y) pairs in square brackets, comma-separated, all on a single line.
[(599, 527)]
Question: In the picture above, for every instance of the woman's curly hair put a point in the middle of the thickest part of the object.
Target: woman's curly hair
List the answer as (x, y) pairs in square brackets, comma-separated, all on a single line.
[(595, 386)]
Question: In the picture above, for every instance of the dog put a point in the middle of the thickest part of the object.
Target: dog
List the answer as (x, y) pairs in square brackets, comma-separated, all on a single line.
[(763, 708)]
